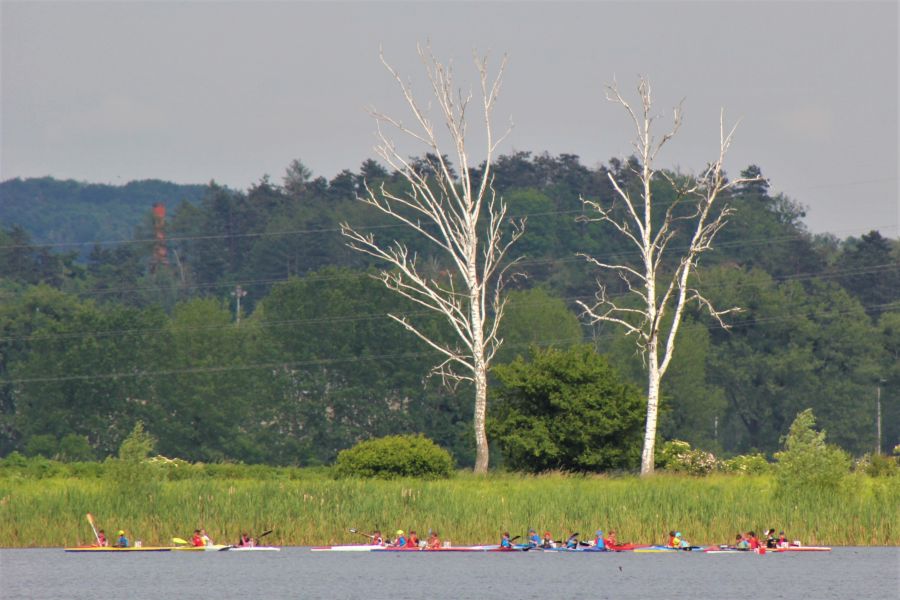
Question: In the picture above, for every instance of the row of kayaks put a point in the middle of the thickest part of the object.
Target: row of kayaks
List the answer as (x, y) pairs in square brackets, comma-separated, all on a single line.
[(211, 548), (640, 548), (593, 549)]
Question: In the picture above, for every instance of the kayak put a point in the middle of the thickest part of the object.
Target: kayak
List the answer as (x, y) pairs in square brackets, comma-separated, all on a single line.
[(210, 548), (374, 548), (617, 548), (113, 549), (800, 549), (347, 548), (666, 549), (252, 549)]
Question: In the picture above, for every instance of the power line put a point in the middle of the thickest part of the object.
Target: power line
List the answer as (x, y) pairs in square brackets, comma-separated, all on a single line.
[(889, 307), (378, 316)]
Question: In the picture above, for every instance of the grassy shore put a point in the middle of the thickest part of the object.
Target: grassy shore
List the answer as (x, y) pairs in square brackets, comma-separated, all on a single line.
[(310, 508)]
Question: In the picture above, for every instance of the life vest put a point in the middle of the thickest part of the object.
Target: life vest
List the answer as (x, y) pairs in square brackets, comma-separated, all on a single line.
[(196, 540)]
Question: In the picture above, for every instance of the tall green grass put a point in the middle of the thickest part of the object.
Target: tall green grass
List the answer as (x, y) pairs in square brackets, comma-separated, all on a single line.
[(309, 508)]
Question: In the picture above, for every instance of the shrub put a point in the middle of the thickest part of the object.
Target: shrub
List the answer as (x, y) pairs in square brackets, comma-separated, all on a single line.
[(45, 445), (395, 456), (75, 448), (877, 465), (747, 464), (679, 457), (806, 461), (138, 445)]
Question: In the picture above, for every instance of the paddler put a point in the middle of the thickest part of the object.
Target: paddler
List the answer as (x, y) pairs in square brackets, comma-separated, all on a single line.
[(611, 542), (101, 539), (205, 538), (673, 542), (413, 539), (505, 544), (534, 540), (400, 540), (122, 542), (196, 540), (572, 542), (434, 542), (376, 538), (548, 542)]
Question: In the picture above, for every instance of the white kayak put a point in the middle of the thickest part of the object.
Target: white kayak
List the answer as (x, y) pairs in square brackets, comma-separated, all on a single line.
[(252, 549), (348, 548), (209, 548)]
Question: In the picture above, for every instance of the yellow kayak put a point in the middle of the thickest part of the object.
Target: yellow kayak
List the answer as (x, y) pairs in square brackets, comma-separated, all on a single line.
[(114, 549)]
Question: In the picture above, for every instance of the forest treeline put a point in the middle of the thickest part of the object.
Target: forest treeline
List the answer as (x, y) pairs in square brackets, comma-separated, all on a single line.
[(258, 336)]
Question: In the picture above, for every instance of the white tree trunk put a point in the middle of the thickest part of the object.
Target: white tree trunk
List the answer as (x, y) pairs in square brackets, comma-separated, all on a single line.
[(648, 457)]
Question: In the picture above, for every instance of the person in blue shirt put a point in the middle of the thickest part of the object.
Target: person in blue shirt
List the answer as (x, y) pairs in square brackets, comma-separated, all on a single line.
[(599, 542), (505, 543), (572, 542), (122, 542), (400, 542), (534, 540)]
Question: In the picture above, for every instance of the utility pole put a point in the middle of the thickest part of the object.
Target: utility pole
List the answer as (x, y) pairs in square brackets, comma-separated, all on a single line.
[(878, 415), (239, 293), (716, 428)]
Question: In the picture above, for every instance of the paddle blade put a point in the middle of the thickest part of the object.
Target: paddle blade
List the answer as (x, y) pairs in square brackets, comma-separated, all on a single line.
[(264, 534), (176, 540), (90, 518)]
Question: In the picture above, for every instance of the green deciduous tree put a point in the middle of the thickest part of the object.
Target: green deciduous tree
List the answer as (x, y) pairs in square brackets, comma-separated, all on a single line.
[(566, 409), (807, 461)]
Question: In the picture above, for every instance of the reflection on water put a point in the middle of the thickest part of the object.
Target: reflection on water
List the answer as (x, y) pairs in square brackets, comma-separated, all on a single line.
[(298, 573)]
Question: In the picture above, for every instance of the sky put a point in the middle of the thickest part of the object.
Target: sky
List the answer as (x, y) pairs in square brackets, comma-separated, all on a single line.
[(190, 92)]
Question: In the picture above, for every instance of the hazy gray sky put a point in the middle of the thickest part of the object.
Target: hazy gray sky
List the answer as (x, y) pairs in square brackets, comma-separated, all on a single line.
[(231, 91)]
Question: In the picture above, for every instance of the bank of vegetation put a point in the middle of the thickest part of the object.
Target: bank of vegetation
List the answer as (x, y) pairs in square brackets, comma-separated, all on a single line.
[(812, 492), (309, 507)]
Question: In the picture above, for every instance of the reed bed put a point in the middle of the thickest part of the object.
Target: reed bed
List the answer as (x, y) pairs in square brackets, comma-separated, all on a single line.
[(316, 510)]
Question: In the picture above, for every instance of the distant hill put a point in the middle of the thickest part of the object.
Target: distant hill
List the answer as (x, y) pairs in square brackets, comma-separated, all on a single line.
[(64, 211)]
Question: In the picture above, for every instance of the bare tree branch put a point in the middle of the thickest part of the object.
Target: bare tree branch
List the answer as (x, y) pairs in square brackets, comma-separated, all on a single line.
[(650, 276), (464, 221)]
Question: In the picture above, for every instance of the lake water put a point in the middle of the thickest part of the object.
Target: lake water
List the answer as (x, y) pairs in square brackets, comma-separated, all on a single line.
[(844, 573)]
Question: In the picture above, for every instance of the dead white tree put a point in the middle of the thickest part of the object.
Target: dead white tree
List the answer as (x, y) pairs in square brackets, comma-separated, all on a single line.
[(461, 217), (661, 283)]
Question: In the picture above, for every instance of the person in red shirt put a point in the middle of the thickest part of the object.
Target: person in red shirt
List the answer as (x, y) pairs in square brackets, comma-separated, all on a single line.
[(610, 540), (413, 540), (197, 540), (101, 538), (754, 541), (434, 542)]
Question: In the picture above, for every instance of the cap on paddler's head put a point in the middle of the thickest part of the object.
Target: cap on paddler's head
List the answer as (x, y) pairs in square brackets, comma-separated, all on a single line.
[(121, 532), (399, 532), (599, 532), (678, 534)]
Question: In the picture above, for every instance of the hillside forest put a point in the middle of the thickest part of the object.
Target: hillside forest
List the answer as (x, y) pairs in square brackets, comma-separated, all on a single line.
[(238, 326)]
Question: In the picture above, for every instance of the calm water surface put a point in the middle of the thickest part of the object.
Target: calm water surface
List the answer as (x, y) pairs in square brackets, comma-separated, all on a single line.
[(845, 573)]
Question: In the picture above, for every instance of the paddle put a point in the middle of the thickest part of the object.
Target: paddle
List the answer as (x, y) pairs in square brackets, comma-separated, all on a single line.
[(371, 537), (179, 541), (90, 519)]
